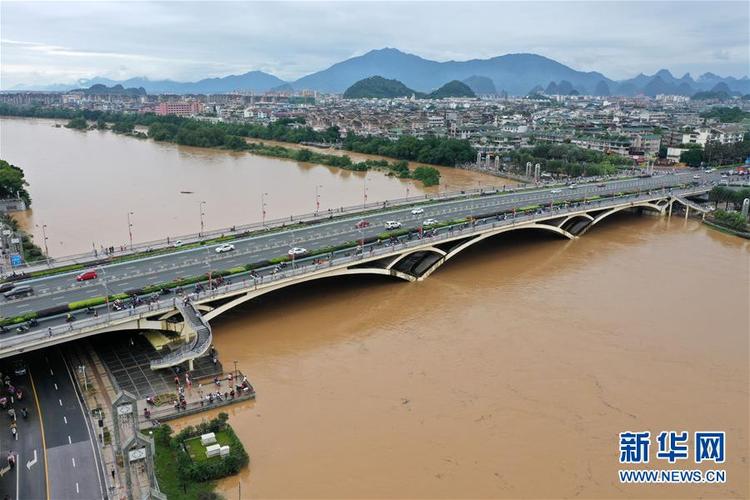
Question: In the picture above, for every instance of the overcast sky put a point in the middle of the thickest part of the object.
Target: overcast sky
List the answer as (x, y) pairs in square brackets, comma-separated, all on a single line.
[(60, 42)]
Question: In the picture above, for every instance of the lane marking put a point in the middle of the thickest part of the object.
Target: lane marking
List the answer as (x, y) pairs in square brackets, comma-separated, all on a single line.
[(95, 451), (77, 488), (56, 387), (59, 401), (65, 418), (30, 463), (51, 372), (69, 440), (74, 461), (44, 441)]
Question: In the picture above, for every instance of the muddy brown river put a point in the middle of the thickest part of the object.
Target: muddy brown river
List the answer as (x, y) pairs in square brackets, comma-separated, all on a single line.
[(508, 373), (83, 184)]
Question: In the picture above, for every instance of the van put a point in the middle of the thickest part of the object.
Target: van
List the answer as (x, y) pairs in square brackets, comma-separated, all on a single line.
[(19, 291)]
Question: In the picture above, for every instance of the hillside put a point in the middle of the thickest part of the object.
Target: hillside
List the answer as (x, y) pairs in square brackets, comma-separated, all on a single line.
[(378, 87), (481, 85), (452, 89), (101, 89)]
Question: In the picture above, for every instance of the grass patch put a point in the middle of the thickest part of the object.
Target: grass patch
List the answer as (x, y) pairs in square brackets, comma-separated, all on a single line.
[(197, 451)]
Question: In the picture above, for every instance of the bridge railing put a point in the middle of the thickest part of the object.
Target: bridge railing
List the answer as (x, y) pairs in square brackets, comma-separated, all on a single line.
[(301, 267), (239, 230)]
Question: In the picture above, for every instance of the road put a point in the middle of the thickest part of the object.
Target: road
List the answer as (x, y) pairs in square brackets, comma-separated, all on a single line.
[(116, 278), (27, 479), (73, 470)]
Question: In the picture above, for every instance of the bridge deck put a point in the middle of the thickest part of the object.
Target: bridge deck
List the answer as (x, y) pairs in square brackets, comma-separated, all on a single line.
[(346, 262)]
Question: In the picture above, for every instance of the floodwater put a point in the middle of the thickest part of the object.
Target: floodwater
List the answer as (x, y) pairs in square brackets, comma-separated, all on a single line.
[(84, 184), (508, 373)]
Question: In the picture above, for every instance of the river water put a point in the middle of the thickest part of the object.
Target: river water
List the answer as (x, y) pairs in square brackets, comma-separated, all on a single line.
[(507, 373), (83, 184)]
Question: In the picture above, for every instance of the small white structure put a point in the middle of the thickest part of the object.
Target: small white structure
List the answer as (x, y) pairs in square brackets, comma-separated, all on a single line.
[(213, 450), (207, 439), (224, 451)]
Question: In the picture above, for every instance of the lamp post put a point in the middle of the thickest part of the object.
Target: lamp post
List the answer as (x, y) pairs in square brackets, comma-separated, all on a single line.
[(200, 206), (44, 236), (263, 208), (364, 191), (317, 198), (130, 230), (106, 293)]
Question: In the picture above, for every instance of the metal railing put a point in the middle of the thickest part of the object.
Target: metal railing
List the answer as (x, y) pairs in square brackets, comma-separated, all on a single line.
[(312, 264), (319, 216), (192, 350)]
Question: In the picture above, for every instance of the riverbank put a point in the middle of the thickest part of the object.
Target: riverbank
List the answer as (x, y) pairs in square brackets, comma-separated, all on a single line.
[(727, 230)]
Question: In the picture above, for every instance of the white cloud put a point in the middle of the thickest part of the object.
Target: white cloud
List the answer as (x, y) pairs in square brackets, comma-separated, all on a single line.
[(64, 41)]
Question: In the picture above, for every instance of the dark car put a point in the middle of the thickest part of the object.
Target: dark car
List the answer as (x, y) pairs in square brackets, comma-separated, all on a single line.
[(7, 287), (19, 367), (19, 291)]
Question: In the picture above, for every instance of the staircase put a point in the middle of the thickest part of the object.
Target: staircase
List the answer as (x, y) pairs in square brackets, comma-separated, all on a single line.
[(196, 347)]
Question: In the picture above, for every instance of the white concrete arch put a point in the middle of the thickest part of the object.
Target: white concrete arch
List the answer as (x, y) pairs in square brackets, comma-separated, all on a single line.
[(483, 236), (401, 257), (574, 216), (606, 214), (296, 280)]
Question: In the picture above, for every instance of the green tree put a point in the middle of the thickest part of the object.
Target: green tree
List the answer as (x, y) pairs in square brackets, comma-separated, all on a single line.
[(13, 183), (692, 157)]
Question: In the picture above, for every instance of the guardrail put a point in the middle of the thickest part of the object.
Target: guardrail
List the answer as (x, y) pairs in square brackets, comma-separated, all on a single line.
[(191, 350), (310, 217), (55, 334)]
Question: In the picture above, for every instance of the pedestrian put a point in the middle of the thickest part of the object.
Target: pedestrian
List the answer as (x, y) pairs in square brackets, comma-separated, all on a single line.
[(49, 332)]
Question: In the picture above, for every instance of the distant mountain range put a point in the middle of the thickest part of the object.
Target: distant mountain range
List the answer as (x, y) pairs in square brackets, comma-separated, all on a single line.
[(379, 87), (118, 89), (516, 74)]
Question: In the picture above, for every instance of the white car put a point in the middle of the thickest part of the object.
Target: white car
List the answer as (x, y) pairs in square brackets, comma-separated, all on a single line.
[(226, 247), (296, 252), (556, 191), (430, 222), (696, 176), (573, 186), (177, 244), (417, 211), (392, 224)]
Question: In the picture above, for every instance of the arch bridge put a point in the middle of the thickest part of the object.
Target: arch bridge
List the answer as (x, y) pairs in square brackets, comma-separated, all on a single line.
[(409, 260)]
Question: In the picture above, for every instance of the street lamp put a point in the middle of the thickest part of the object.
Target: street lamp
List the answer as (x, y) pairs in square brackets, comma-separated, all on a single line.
[(263, 208), (200, 206), (106, 292), (317, 198), (364, 191), (44, 236), (130, 230)]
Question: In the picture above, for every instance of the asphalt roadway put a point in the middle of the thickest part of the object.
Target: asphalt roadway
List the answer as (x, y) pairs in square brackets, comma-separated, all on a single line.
[(73, 469), (62, 289), (27, 479)]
